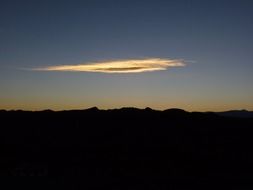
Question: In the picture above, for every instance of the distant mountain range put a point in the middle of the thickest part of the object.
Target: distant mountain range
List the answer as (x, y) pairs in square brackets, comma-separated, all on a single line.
[(231, 113), (236, 113)]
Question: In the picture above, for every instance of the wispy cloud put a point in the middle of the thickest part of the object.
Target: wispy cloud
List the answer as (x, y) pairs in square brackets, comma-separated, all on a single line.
[(119, 66)]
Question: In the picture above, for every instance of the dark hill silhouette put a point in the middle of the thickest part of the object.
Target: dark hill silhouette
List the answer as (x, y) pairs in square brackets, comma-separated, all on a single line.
[(128, 148), (236, 113)]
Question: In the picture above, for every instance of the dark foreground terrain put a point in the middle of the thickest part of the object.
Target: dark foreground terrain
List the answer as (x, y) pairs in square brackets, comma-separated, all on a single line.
[(128, 148)]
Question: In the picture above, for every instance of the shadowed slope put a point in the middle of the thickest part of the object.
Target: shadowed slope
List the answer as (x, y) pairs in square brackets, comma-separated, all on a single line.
[(128, 148)]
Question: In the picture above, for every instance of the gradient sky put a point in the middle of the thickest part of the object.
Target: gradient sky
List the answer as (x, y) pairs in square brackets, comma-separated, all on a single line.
[(213, 37)]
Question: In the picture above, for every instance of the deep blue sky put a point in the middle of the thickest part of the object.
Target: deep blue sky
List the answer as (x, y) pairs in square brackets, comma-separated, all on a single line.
[(215, 38)]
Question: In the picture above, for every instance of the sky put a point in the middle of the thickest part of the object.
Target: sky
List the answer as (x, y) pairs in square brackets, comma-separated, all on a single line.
[(67, 54)]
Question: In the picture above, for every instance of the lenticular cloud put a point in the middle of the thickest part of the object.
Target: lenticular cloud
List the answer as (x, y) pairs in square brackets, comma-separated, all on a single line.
[(119, 66)]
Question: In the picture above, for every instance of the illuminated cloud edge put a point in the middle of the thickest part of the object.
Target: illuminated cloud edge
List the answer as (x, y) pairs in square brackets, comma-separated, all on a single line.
[(119, 66)]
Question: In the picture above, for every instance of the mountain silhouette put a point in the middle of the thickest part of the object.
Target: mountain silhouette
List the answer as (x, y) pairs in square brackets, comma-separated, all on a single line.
[(236, 113), (129, 148)]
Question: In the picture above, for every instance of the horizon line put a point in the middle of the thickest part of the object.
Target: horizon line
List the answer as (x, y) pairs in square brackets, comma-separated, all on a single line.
[(124, 107)]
